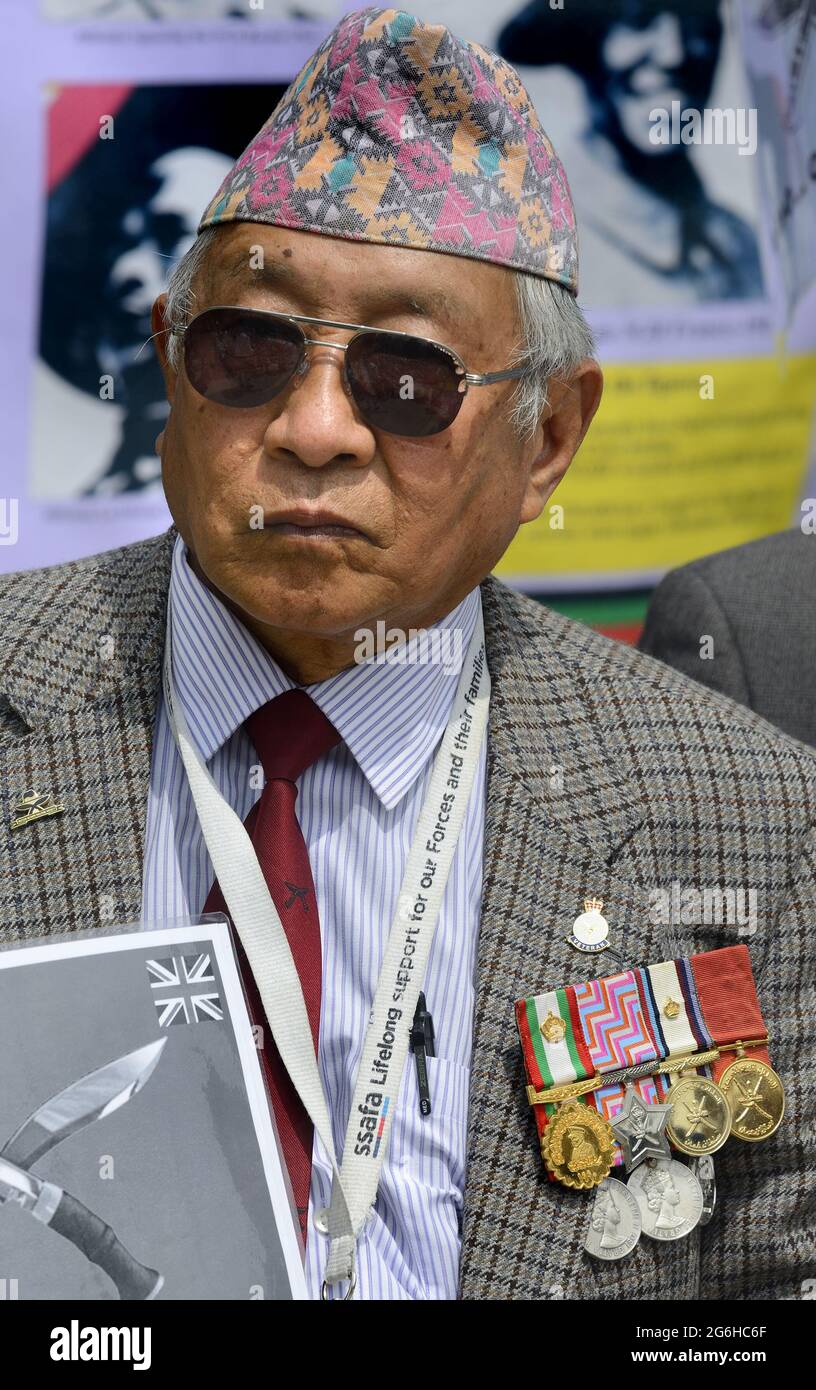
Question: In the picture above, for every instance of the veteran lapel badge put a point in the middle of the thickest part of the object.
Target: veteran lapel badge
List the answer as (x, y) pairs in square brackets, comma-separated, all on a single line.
[(35, 807), (590, 930)]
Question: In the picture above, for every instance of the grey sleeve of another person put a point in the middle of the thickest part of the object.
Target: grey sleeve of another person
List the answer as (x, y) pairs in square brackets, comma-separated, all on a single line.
[(685, 623), (757, 604)]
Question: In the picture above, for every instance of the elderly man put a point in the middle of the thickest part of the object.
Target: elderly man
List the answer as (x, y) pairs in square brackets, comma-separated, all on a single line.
[(377, 371)]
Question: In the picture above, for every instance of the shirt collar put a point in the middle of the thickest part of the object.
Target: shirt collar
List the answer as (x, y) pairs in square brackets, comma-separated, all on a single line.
[(391, 715)]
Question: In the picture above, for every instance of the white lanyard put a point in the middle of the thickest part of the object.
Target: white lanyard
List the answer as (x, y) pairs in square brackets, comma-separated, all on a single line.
[(256, 920)]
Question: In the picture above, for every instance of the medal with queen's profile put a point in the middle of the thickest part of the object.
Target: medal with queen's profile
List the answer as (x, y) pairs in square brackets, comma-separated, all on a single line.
[(590, 929), (614, 1222), (669, 1196)]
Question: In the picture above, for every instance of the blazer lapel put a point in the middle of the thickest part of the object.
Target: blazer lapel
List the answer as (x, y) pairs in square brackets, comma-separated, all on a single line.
[(77, 724), (560, 810)]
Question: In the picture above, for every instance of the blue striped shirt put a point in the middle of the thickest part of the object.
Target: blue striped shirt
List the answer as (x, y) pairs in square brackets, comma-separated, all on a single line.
[(357, 807)]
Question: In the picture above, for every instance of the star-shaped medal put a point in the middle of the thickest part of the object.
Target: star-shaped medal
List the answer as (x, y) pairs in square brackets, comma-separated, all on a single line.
[(639, 1127)]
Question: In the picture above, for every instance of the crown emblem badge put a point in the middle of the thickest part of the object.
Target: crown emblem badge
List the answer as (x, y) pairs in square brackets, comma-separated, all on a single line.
[(590, 930), (553, 1029), (35, 807)]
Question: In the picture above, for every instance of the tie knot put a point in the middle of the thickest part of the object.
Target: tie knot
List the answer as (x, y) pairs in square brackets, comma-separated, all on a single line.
[(290, 733)]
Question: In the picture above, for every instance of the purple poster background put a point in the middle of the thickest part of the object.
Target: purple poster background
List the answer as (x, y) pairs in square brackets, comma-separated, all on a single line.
[(37, 525)]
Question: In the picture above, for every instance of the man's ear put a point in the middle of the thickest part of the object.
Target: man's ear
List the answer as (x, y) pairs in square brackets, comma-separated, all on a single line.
[(570, 411), (161, 338)]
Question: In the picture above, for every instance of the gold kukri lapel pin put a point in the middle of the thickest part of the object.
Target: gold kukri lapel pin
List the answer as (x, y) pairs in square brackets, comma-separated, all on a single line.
[(35, 807)]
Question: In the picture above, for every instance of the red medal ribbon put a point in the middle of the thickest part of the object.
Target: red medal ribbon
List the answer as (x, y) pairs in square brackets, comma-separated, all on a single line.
[(729, 1003)]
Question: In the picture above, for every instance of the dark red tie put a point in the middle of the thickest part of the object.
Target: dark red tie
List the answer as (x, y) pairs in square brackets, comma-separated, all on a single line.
[(289, 733)]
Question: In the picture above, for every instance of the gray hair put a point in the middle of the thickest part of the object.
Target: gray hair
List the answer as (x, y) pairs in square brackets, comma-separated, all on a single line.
[(555, 336), (180, 306)]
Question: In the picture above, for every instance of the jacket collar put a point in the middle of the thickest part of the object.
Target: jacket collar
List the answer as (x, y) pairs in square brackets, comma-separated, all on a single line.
[(85, 632), (555, 720)]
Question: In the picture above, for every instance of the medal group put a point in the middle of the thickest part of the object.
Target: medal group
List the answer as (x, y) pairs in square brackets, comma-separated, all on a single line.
[(628, 1071)]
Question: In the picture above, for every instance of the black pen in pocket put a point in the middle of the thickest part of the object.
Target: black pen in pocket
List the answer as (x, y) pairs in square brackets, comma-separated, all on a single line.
[(422, 1046)]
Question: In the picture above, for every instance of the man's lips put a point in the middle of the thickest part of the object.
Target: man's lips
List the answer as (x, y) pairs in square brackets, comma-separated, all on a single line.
[(311, 525)]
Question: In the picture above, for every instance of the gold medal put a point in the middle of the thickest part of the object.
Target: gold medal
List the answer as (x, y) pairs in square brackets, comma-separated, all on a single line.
[(700, 1119), (578, 1146), (756, 1099)]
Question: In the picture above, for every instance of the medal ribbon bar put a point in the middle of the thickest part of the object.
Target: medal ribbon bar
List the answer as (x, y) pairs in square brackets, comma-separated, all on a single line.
[(639, 1025)]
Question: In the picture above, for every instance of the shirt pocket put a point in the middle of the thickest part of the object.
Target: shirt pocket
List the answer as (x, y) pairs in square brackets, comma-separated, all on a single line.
[(427, 1152)]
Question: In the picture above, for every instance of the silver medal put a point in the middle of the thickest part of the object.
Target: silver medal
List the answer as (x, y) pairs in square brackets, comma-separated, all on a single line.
[(639, 1128), (669, 1196), (614, 1223), (703, 1170)]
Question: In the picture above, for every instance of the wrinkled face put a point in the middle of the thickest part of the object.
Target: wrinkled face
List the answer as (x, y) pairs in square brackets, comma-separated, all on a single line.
[(425, 518)]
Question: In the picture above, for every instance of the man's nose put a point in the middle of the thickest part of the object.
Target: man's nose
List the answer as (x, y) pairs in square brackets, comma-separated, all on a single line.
[(318, 421), (666, 36)]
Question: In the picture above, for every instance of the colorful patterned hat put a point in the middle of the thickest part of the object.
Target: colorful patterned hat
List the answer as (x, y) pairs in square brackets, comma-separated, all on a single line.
[(397, 132)]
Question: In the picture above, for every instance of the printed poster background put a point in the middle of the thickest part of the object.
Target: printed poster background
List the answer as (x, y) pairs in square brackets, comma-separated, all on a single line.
[(142, 192), (188, 1196), (680, 274)]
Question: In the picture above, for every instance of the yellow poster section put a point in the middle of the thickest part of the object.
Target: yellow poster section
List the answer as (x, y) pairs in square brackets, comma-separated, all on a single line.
[(666, 475)]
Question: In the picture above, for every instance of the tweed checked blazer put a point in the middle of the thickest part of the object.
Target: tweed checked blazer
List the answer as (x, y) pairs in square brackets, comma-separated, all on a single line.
[(608, 774)]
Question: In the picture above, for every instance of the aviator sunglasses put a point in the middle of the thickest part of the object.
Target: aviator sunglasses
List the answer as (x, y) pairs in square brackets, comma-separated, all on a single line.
[(400, 383)]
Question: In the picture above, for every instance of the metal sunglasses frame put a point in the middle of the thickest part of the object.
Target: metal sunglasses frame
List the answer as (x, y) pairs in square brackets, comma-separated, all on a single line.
[(359, 329)]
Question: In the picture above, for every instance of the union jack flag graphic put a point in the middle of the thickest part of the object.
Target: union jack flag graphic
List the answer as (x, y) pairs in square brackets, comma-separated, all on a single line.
[(182, 1000)]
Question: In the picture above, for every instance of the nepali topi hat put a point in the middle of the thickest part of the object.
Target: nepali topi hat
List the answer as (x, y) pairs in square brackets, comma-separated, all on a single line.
[(397, 132)]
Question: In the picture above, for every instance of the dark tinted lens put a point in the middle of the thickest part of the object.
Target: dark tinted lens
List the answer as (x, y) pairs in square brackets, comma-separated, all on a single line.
[(240, 357), (403, 385)]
